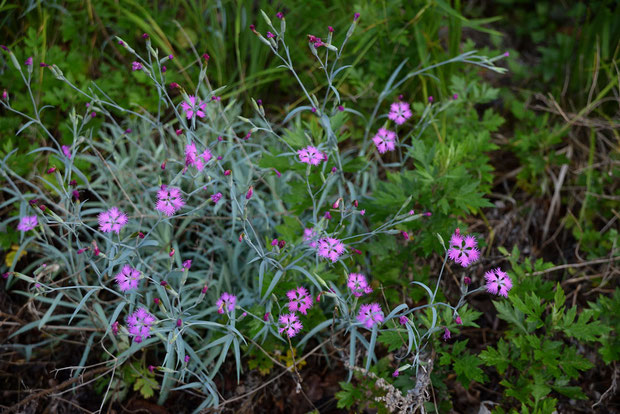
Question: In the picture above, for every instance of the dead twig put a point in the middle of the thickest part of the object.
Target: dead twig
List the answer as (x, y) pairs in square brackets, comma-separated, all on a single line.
[(56, 388)]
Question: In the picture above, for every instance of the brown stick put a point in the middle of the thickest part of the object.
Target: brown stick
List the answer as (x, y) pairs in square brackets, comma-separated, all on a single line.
[(60, 386)]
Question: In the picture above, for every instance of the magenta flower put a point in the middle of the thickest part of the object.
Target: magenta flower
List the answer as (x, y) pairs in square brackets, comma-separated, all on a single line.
[(358, 284), (331, 248), (403, 320), (128, 278), (226, 303), (139, 324), (67, 151), (311, 155), (385, 140), (446, 334), (370, 315), (399, 112), (216, 197), (498, 282), (169, 200), (28, 61), (192, 157), (299, 300), (463, 250), (112, 220), (27, 223), (290, 324), (187, 264), (310, 237), (195, 107), (136, 66)]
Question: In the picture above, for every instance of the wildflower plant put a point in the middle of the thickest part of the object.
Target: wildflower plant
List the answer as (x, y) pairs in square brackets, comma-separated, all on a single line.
[(192, 198)]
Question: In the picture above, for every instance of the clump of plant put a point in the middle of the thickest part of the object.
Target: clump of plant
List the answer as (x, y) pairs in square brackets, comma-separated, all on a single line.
[(191, 235)]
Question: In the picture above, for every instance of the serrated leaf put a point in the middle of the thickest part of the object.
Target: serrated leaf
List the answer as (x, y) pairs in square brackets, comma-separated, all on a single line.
[(392, 339)]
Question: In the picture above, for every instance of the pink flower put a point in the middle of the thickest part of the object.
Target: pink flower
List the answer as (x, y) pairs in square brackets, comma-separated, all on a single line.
[(216, 197), (446, 334), (310, 237), (139, 324), (358, 284), (136, 66), (311, 155), (290, 324), (187, 264), (299, 300), (226, 303), (169, 200), (403, 320), (384, 140), (28, 61), (128, 278), (395, 373), (115, 328), (192, 157), (370, 315), (195, 107), (463, 250), (27, 223), (399, 112), (458, 320), (280, 15), (67, 151), (112, 220), (498, 282), (331, 248)]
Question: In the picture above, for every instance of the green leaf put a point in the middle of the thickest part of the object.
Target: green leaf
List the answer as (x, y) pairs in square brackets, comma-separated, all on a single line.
[(509, 314), (467, 369), (146, 385), (583, 329), (348, 396), (393, 339), (499, 358)]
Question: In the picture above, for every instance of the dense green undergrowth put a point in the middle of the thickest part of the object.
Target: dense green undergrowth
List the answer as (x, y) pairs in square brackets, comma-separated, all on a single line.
[(538, 145)]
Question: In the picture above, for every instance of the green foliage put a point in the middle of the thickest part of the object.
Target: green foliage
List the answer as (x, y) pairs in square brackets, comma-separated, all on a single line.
[(607, 311), (362, 393), (536, 358), (466, 365)]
